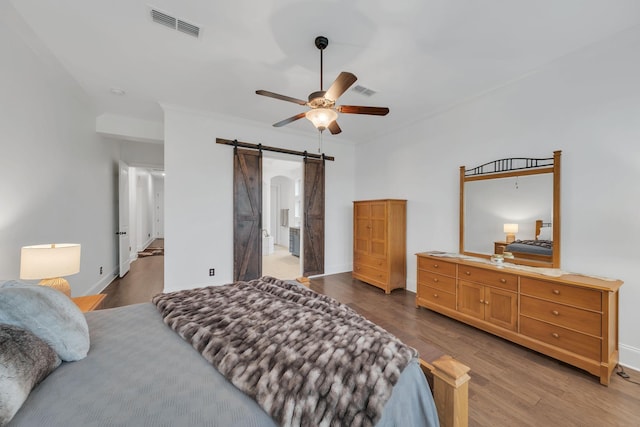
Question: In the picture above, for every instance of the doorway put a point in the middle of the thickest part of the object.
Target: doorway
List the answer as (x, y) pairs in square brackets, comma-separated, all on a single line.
[(141, 212), (281, 217)]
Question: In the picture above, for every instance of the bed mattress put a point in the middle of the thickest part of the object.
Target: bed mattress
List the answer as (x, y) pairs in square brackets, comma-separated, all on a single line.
[(141, 373)]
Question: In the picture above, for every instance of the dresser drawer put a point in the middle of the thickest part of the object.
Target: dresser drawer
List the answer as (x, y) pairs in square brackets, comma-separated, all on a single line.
[(366, 274), (572, 341), (371, 261), (489, 277), (437, 281), (585, 321), (437, 266), (577, 297), (437, 296)]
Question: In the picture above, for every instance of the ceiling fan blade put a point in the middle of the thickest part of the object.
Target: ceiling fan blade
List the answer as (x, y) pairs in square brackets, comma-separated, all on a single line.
[(340, 86), (356, 109), (289, 120), (334, 128), (282, 97)]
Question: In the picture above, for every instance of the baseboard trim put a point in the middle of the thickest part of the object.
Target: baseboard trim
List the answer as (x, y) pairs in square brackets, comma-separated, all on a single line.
[(104, 282), (630, 357), (335, 269)]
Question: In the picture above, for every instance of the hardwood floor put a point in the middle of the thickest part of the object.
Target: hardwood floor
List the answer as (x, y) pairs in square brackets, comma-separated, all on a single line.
[(144, 280), (510, 385)]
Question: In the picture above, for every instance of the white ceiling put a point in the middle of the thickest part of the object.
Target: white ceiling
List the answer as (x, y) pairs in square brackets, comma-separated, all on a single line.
[(421, 56)]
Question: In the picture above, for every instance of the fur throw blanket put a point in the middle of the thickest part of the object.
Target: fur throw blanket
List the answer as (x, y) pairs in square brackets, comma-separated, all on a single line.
[(305, 358)]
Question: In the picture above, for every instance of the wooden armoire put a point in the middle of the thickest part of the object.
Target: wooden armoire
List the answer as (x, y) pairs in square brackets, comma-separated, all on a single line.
[(380, 243)]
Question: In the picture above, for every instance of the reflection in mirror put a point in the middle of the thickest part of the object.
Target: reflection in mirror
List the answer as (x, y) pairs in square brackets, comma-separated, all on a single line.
[(513, 198), (490, 204)]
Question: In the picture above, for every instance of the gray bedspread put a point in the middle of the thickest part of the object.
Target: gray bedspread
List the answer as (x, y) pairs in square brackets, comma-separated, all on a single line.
[(539, 247), (141, 373)]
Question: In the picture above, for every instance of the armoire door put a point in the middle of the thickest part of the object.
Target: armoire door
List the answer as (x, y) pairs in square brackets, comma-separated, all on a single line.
[(378, 224)]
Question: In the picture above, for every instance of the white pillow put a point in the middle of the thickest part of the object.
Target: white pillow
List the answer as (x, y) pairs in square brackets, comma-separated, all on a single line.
[(48, 314), (546, 233)]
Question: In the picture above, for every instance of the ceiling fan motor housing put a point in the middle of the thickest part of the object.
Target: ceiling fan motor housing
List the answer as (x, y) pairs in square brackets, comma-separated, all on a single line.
[(317, 100), (322, 42)]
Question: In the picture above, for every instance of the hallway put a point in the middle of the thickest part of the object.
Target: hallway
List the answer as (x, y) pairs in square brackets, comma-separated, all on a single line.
[(144, 280)]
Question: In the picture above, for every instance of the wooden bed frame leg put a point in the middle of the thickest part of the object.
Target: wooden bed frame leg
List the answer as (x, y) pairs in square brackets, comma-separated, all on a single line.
[(450, 390)]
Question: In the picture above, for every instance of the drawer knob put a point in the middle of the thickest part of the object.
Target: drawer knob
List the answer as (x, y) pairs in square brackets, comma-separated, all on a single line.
[(556, 292), (435, 295), (503, 280), (481, 301), (555, 335), (435, 279), (435, 265), (486, 302), (555, 313), (468, 273)]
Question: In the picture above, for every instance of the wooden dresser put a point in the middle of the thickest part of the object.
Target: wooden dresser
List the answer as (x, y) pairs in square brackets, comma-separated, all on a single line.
[(379, 243), (572, 318)]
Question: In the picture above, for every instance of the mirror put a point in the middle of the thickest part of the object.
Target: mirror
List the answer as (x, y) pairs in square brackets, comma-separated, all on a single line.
[(524, 192)]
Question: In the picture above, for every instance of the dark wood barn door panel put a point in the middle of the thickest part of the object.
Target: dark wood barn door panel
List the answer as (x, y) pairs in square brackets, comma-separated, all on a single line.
[(247, 214), (313, 261)]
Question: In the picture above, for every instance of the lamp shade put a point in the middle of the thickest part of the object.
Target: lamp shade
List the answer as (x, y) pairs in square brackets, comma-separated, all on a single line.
[(49, 261), (321, 117), (511, 228)]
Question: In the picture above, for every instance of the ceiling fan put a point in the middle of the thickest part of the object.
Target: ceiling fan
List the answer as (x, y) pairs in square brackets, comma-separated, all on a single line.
[(324, 112)]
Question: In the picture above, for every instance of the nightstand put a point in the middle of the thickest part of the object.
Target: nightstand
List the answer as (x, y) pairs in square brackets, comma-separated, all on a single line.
[(89, 302), (499, 247)]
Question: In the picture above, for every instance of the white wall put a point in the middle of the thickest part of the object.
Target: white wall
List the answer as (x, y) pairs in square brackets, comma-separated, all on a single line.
[(144, 209), (57, 177), (199, 200), (588, 106), (285, 186), (142, 154)]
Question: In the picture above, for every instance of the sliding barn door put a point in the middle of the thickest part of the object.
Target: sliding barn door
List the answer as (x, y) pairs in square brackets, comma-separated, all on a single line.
[(247, 214), (313, 262)]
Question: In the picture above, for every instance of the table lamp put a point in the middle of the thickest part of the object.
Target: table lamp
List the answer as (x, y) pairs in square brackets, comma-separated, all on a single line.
[(511, 230), (50, 263)]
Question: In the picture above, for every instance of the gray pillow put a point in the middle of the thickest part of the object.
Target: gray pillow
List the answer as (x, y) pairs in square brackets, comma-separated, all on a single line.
[(47, 313), (25, 360)]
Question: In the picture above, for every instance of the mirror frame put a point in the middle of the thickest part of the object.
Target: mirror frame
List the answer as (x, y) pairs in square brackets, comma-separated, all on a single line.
[(505, 168)]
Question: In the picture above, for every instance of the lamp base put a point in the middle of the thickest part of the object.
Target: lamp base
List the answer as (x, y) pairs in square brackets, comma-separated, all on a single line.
[(59, 284), (511, 238)]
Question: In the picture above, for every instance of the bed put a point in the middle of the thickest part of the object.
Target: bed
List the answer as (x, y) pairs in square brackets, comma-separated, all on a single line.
[(539, 249), (139, 372)]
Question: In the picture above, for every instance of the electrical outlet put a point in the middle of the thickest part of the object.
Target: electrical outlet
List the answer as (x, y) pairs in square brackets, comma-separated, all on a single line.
[(212, 272), (101, 270)]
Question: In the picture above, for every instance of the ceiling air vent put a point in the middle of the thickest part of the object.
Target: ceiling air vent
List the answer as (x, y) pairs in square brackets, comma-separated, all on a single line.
[(175, 23), (187, 28), (363, 90)]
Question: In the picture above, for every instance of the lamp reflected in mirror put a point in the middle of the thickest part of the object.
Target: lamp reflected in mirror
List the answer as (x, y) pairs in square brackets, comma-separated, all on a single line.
[(510, 230)]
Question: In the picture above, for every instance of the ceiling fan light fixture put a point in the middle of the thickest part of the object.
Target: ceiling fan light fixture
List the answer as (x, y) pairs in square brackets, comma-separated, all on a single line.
[(321, 117)]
